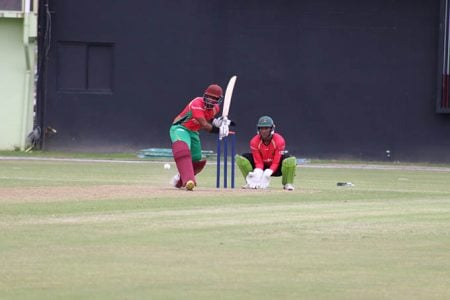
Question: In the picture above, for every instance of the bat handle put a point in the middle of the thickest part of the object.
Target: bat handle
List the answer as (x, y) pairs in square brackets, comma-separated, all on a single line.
[(224, 119)]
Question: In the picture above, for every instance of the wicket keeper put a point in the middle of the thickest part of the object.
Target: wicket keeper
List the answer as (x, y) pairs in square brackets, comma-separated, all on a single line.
[(267, 158), (198, 114)]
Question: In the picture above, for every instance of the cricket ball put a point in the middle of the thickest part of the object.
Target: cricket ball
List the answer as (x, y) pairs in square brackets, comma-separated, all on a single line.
[(167, 166)]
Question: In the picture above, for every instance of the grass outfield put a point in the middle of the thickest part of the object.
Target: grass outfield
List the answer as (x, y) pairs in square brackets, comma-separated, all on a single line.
[(116, 230)]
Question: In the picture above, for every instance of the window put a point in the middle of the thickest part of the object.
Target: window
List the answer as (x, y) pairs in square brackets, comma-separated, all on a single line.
[(85, 67)]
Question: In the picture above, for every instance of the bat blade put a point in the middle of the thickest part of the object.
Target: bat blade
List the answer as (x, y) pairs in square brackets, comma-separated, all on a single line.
[(227, 99)]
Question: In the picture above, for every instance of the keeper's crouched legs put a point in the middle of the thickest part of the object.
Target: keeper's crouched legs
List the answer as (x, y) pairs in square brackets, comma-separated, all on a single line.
[(288, 168), (243, 164)]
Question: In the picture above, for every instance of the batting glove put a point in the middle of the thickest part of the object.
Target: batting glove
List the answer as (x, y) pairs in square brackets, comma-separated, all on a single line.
[(224, 130), (217, 122), (226, 122)]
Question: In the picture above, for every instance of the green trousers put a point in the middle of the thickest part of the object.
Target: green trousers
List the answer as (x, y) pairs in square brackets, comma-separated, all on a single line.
[(191, 138)]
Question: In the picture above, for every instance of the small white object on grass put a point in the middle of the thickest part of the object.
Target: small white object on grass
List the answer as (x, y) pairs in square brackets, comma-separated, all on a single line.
[(167, 166), (345, 184)]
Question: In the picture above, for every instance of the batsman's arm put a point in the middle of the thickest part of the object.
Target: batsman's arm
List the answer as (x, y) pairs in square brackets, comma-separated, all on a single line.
[(205, 124)]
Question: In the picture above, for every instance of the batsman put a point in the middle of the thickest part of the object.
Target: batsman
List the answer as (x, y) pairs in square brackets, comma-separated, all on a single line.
[(198, 114), (267, 158)]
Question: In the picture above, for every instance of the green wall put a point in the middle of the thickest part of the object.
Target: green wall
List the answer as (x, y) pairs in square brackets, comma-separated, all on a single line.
[(16, 81)]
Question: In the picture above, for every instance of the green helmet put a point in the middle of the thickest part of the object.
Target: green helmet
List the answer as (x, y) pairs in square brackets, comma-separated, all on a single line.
[(265, 121)]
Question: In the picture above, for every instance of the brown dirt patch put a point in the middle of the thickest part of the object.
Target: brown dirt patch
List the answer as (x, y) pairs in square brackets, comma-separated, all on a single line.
[(108, 192)]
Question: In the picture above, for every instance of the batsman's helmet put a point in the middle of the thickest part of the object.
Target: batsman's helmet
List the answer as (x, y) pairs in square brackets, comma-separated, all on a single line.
[(213, 95), (266, 121), (214, 90)]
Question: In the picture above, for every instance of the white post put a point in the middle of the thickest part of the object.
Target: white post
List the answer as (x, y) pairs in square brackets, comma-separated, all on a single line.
[(27, 6)]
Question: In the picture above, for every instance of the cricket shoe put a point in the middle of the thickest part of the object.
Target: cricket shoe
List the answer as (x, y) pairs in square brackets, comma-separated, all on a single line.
[(190, 185), (176, 181), (288, 186)]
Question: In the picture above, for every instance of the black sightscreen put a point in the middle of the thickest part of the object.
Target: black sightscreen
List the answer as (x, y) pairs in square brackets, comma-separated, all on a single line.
[(443, 99), (341, 79)]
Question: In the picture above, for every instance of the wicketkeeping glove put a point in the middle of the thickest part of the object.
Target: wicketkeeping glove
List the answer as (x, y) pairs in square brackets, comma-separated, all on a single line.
[(253, 179), (265, 178)]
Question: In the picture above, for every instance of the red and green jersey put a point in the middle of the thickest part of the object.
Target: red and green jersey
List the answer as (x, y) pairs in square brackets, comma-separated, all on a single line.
[(267, 156), (194, 110)]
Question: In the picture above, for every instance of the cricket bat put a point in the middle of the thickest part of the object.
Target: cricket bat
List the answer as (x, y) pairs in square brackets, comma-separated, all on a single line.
[(227, 99)]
